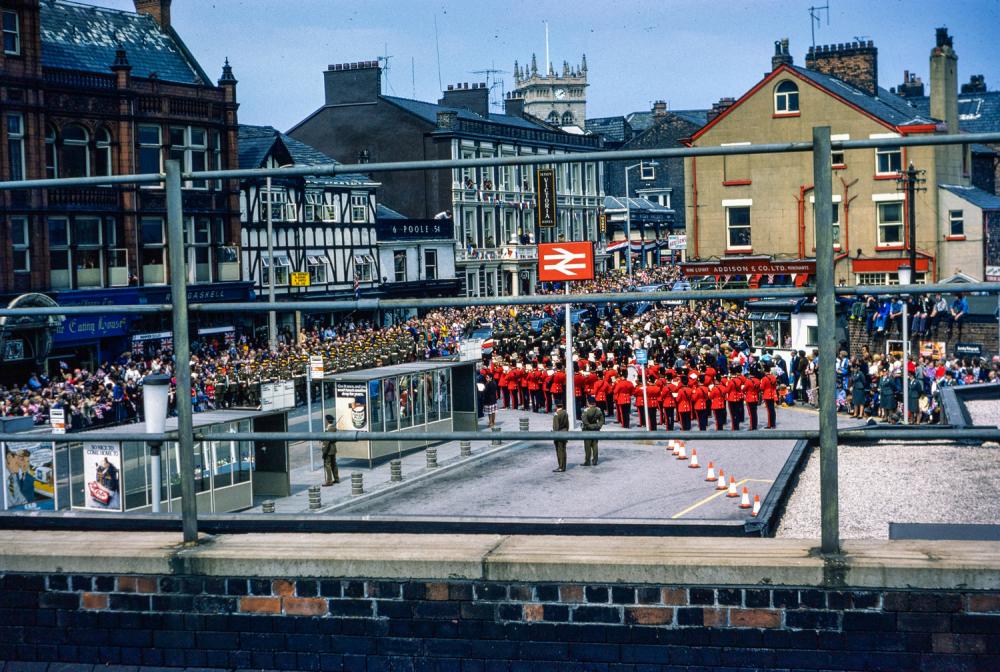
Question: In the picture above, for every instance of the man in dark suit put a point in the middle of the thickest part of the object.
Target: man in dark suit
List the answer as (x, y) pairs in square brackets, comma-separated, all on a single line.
[(592, 421), (330, 455), (560, 423)]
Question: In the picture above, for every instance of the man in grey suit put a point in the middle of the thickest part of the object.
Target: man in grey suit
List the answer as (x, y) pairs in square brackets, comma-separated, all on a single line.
[(560, 423)]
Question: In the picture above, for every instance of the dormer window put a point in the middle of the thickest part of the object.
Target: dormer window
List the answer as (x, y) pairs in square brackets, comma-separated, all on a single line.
[(786, 98)]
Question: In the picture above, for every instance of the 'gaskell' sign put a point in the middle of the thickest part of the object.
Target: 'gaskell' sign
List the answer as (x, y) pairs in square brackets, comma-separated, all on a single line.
[(748, 266)]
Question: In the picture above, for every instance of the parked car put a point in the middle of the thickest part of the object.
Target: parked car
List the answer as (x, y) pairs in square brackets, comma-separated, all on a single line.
[(484, 333)]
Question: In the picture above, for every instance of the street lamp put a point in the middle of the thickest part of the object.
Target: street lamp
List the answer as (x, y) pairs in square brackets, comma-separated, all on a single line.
[(628, 215), (905, 275), (155, 390)]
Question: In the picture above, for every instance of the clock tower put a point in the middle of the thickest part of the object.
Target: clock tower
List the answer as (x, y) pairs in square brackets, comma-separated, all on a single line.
[(559, 99)]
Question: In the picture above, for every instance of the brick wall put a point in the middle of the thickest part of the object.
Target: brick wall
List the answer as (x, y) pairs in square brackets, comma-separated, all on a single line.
[(982, 332), (355, 624)]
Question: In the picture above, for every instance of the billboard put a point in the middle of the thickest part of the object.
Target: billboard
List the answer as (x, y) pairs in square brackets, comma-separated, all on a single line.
[(546, 197), (352, 407), (102, 476), (29, 477)]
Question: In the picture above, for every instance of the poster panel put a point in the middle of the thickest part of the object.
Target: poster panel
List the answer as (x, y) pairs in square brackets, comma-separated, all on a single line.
[(934, 349), (102, 476), (29, 476), (352, 407)]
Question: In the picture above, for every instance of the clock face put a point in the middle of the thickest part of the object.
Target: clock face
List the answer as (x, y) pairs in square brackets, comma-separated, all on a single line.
[(560, 93)]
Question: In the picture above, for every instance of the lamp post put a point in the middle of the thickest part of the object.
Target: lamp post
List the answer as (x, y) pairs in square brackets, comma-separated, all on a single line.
[(905, 275), (628, 215), (155, 390)]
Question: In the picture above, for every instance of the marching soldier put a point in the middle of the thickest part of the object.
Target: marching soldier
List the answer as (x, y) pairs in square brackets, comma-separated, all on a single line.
[(751, 394)]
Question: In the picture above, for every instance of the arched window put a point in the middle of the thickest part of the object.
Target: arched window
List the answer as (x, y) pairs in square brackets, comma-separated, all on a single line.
[(103, 155), (75, 154), (51, 157), (786, 98), (567, 119), (553, 117)]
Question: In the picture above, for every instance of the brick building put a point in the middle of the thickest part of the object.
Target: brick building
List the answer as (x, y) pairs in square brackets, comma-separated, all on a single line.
[(89, 91), (762, 204)]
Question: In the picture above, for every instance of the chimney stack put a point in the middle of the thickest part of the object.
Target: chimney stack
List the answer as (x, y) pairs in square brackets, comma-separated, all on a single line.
[(977, 84), (944, 106), (912, 86), (855, 63), (781, 55), (352, 83), (475, 99), (660, 108), (158, 9), (513, 105), (720, 107)]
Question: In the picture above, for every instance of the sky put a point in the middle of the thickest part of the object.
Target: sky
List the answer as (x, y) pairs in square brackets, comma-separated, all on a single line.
[(689, 53)]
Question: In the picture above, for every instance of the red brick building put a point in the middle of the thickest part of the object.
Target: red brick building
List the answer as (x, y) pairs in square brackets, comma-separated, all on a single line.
[(88, 91)]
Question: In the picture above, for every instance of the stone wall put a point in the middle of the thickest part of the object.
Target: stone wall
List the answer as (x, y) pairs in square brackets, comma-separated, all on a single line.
[(982, 331), (240, 622)]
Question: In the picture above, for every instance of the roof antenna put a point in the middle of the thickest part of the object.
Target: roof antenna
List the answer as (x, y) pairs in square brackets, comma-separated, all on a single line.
[(385, 68), (814, 19), (437, 47)]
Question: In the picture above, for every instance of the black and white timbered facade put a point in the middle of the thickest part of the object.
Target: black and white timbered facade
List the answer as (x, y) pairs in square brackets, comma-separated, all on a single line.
[(321, 226)]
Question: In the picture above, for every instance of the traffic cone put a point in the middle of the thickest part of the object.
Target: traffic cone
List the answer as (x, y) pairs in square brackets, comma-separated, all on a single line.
[(721, 485), (756, 505), (677, 447), (745, 501), (670, 445), (694, 459), (732, 487), (710, 476), (682, 455)]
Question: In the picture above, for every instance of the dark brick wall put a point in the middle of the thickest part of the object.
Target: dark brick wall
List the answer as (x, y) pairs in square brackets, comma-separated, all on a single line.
[(983, 332), (356, 624)]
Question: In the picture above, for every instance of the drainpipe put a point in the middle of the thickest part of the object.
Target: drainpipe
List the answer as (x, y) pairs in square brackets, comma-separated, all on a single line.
[(846, 226), (803, 189), (694, 196)]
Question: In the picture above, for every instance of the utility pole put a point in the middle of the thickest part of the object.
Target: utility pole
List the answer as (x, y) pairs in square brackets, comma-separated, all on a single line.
[(909, 180)]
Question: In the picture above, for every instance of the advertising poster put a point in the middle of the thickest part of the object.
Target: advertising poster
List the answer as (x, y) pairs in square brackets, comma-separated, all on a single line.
[(352, 407), (29, 477), (934, 349), (102, 476)]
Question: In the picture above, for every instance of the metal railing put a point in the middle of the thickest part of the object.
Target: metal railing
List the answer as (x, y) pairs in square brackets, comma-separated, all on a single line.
[(825, 293)]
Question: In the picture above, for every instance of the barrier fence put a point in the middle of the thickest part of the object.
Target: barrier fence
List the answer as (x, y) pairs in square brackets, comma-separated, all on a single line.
[(825, 294)]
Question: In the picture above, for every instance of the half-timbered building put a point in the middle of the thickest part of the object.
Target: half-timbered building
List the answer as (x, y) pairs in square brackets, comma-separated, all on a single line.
[(323, 227)]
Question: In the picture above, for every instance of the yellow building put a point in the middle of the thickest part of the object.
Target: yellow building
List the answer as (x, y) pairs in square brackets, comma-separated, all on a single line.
[(762, 204)]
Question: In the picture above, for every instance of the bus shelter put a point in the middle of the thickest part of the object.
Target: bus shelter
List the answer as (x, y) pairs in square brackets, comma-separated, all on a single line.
[(433, 395), (116, 475)]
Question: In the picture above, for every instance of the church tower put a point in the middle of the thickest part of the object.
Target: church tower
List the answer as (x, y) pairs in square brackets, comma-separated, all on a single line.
[(558, 98)]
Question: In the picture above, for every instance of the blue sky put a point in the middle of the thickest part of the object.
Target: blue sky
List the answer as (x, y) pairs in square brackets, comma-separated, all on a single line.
[(687, 52)]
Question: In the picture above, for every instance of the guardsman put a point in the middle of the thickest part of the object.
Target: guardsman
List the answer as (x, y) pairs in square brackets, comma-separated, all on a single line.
[(560, 423), (623, 401), (751, 395), (734, 399), (558, 386), (592, 420), (769, 395), (700, 394), (684, 406), (547, 389), (668, 398), (717, 396), (653, 392), (601, 391), (579, 385), (513, 385), (640, 394)]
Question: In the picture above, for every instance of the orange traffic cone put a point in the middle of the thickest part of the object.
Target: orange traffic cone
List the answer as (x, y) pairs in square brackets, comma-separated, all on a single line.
[(694, 459), (670, 445), (682, 455), (732, 487), (710, 476), (677, 447), (745, 501), (756, 505), (721, 485)]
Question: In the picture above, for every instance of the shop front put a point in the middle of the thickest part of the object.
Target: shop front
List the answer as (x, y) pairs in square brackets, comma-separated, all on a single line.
[(423, 396)]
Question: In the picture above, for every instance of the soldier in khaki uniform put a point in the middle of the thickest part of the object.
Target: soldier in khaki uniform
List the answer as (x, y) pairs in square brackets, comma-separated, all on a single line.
[(592, 421), (560, 423), (330, 454)]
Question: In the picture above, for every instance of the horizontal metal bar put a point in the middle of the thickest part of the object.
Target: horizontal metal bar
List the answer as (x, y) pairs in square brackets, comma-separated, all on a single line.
[(129, 309), (46, 437), (531, 159)]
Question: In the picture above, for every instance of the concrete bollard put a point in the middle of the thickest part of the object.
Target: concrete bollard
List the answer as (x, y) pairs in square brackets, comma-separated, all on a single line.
[(432, 458), (267, 506), (496, 442), (315, 499), (357, 483), (524, 424), (395, 470), (465, 448)]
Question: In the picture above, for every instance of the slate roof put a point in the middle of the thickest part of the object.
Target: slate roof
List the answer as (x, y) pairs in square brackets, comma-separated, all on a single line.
[(256, 142), (83, 37), (428, 112), (886, 106), (615, 129), (383, 212), (983, 200), (641, 121), (977, 112)]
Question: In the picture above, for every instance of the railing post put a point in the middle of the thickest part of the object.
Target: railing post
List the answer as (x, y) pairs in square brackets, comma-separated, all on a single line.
[(826, 325), (182, 350)]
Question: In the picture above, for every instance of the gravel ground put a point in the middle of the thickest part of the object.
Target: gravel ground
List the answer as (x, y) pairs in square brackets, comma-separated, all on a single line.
[(984, 411), (899, 483)]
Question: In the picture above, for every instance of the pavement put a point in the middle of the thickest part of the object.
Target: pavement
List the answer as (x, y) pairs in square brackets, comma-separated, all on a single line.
[(634, 480)]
